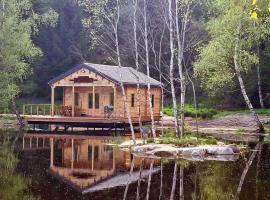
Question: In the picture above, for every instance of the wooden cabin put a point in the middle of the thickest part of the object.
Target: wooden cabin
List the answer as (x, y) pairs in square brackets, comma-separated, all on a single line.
[(94, 90)]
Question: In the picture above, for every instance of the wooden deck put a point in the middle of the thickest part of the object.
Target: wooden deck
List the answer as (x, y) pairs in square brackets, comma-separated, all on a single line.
[(97, 122)]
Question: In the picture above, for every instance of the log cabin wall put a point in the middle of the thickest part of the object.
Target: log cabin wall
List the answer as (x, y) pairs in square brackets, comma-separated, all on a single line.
[(90, 106), (131, 92)]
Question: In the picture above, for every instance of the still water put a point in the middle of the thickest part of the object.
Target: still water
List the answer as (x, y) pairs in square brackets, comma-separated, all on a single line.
[(65, 167)]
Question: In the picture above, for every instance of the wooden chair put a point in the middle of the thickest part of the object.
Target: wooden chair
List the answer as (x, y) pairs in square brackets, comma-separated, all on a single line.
[(66, 111)]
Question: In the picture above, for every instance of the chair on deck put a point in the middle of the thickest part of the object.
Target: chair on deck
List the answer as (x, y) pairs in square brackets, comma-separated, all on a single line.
[(66, 111), (108, 111)]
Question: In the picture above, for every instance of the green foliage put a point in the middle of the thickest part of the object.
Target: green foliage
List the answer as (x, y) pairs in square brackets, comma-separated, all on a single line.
[(187, 140), (214, 65), (190, 111), (18, 23)]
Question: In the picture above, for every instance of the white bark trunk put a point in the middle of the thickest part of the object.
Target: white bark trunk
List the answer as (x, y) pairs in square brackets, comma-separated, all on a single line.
[(138, 92), (249, 163), (171, 69), (180, 49), (148, 72), (240, 80), (181, 180), (149, 180), (120, 65), (161, 182), (139, 181), (259, 86), (174, 181), (130, 174)]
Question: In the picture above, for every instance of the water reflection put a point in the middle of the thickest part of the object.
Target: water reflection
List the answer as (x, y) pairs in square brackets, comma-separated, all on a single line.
[(98, 171)]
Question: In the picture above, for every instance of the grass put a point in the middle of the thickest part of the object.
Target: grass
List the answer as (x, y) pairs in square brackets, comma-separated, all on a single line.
[(187, 140), (208, 113), (202, 112)]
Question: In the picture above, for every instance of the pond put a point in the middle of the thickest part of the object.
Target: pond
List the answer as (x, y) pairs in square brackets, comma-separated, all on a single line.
[(66, 167)]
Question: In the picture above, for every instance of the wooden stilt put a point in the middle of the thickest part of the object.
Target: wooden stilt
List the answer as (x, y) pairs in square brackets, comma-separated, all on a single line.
[(52, 151), (93, 149), (72, 153)]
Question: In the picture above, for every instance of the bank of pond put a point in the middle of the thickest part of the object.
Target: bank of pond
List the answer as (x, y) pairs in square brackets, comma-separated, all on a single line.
[(61, 166)]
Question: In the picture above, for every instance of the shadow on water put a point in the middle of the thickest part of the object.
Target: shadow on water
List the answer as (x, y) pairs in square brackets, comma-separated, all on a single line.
[(85, 167)]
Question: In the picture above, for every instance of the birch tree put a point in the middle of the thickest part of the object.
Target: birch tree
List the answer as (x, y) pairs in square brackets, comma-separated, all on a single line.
[(171, 74), (229, 52), (138, 91), (104, 14), (148, 70), (180, 36)]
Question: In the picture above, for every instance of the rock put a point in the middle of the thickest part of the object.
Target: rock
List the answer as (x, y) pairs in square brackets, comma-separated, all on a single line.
[(200, 153), (235, 148), (163, 154), (219, 150)]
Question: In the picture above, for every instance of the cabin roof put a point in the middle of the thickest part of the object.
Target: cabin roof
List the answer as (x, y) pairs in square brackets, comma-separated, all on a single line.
[(129, 75)]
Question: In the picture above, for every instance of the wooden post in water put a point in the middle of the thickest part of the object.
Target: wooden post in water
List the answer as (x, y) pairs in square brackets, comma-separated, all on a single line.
[(51, 145), (94, 104), (93, 149), (30, 143), (72, 152), (23, 143)]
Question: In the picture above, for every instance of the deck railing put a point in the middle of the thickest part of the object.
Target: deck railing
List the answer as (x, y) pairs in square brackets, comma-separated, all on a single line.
[(40, 109)]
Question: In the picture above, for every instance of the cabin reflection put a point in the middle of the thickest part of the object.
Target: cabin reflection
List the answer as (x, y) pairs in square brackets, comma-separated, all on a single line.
[(85, 161)]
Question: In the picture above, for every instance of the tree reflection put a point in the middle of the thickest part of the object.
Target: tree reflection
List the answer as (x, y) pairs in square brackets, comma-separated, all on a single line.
[(174, 181), (13, 185), (149, 179), (139, 180), (249, 163)]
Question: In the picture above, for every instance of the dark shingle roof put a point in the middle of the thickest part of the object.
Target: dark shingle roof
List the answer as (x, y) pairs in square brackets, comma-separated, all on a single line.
[(129, 75)]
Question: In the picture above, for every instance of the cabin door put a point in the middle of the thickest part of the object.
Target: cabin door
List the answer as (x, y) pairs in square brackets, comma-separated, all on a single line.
[(80, 103)]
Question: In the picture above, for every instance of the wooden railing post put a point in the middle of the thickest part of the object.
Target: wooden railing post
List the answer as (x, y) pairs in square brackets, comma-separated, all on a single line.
[(37, 109), (31, 110), (23, 109), (52, 101)]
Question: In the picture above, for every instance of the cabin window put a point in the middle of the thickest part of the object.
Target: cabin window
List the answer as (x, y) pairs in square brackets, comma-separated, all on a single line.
[(77, 99), (111, 99), (90, 100), (96, 101), (153, 100), (132, 100)]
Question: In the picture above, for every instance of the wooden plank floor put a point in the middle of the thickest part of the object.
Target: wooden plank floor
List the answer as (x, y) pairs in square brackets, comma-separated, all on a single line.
[(58, 118)]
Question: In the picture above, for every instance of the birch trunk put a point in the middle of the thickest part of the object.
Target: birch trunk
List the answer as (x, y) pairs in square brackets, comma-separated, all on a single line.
[(249, 163), (139, 181), (138, 92), (181, 188), (174, 181), (180, 45), (120, 65), (160, 80), (259, 85), (240, 80), (161, 181), (128, 182), (171, 70), (149, 180), (148, 72)]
